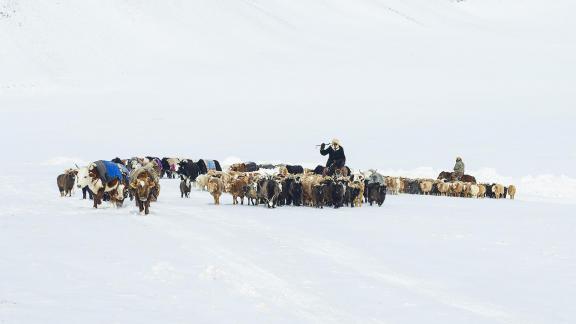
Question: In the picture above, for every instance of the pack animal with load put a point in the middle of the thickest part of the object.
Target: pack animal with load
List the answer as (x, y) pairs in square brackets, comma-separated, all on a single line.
[(103, 177)]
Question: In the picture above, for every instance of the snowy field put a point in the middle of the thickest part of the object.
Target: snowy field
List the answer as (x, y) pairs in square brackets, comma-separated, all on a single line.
[(406, 85), (414, 260)]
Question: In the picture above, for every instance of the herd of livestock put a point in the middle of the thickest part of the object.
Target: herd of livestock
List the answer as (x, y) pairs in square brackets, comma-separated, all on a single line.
[(270, 185)]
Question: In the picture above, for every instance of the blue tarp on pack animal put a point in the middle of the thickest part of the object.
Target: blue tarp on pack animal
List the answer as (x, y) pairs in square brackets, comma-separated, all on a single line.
[(108, 171), (125, 172), (206, 165)]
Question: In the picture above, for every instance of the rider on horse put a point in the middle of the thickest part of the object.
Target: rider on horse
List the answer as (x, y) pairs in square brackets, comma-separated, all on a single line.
[(336, 157), (458, 169)]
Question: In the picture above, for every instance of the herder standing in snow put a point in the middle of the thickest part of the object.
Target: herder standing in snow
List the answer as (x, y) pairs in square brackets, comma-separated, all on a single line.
[(336, 157), (458, 169)]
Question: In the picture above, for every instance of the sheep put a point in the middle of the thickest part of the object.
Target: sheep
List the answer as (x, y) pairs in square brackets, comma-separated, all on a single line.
[(426, 187), (443, 188), (457, 189), (481, 191), (473, 190), (202, 182), (512, 191), (498, 191)]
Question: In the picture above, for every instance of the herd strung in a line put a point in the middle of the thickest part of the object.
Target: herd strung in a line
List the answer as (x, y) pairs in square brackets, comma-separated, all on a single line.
[(270, 185)]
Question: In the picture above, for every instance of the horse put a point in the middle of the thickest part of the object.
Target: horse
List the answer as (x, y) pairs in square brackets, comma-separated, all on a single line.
[(90, 176), (338, 172), (449, 176)]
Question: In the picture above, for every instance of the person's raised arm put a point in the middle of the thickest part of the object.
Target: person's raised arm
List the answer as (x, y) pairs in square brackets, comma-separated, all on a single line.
[(323, 149)]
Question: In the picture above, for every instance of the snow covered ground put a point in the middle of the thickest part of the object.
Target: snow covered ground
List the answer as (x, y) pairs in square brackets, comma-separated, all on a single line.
[(414, 260)]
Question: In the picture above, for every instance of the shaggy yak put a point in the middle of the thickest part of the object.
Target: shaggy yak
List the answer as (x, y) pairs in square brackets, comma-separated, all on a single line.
[(143, 182), (376, 193), (65, 182)]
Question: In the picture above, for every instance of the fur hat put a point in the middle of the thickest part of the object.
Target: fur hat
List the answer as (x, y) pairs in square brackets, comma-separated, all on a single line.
[(335, 142)]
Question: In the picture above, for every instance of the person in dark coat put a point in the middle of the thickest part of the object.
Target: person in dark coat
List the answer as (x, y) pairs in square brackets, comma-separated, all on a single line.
[(336, 156)]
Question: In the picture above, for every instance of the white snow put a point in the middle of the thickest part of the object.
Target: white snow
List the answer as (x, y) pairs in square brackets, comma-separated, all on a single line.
[(416, 259), (64, 161)]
